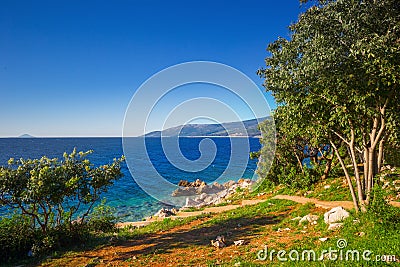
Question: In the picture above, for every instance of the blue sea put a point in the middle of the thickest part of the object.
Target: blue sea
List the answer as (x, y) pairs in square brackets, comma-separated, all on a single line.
[(129, 200)]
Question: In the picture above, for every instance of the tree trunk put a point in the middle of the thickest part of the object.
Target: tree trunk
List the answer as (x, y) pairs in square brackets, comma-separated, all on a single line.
[(328, 167), (346, 173), (373, 170), (366, 169), (380, 153), (353, 157), (300, 163)]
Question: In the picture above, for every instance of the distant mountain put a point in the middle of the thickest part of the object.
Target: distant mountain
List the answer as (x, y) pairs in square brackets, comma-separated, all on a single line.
[(223, 129), (26, 136)]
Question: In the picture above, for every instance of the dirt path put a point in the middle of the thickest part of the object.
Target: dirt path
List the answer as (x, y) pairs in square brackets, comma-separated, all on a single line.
[(318, 203), (184, 214), (325, 204)]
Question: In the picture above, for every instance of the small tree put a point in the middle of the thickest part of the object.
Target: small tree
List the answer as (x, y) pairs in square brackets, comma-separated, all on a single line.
[(52, 192)]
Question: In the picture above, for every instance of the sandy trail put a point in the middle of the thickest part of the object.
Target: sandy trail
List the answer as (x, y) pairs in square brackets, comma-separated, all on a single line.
[(318, 203), (219, 209)]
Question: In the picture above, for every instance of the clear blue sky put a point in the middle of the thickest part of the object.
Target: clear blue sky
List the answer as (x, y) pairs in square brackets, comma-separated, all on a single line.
[(70, 68)]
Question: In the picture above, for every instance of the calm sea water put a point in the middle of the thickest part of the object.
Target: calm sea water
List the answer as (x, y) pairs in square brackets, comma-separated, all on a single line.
[(130, 201)]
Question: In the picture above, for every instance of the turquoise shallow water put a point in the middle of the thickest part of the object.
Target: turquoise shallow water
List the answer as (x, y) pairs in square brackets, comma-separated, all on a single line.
[(130, 201)]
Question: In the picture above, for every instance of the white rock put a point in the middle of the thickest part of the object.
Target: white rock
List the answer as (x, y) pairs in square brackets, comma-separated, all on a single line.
[(309, 218), (210, 189), (217, 244), (239, 242), (327, 186), (220, 238), (323, 239), (191, 203), (296, 218), (184, 191), (336, 214), (245, 184), (201, 197), (223, 193), (163, 213), (334, 226), (229, 184)]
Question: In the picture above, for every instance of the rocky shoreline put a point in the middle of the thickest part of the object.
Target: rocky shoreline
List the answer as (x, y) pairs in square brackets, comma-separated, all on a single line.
[(199, 194)]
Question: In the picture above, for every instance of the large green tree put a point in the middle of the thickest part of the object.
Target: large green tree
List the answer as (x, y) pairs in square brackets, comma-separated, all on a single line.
[(336, 80)]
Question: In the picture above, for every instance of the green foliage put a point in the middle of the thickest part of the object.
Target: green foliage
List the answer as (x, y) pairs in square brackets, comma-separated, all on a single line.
[(337, 81), (299, 180), (392, 155), (381, 212), (102, 218), (254, 155), (16, 237), (52, 191), (48, 195)]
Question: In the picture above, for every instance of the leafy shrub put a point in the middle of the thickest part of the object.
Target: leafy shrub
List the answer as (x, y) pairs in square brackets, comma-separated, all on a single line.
[(297, 180), (16, 237), (381, 211), (49, 194), (102, 218)]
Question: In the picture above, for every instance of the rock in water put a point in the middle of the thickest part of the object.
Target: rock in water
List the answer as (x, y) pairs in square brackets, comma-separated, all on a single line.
[(203, 194), (184, 183), (197, 183)]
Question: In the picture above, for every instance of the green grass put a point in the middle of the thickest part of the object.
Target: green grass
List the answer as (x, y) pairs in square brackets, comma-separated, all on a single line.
[(381, 237), (338, 190), (191, 209), (154, 227), (249, 212)]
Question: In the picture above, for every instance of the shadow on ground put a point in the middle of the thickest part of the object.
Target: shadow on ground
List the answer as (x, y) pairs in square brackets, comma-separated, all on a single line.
[(232, 229)]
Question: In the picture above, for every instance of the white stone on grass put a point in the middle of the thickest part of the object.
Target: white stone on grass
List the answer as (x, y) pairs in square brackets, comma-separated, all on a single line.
[(336, 214)]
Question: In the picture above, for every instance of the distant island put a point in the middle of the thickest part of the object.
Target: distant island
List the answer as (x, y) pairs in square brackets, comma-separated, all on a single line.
[(26, 136), (212, 130)]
